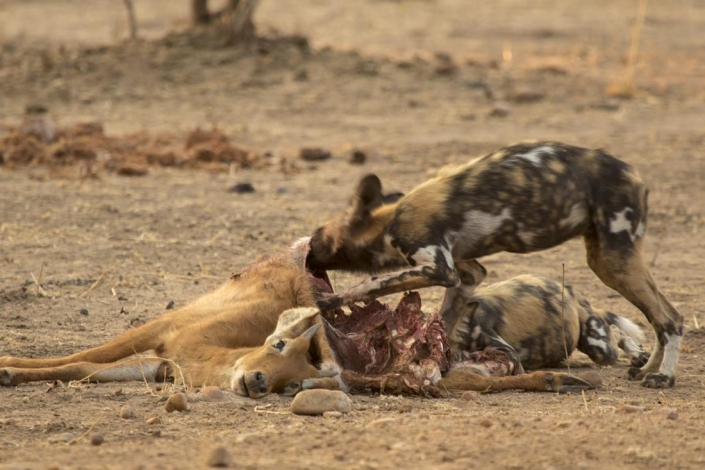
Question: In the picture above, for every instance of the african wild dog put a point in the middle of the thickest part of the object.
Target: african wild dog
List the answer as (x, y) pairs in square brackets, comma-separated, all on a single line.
[(522, 198), (524, 318)]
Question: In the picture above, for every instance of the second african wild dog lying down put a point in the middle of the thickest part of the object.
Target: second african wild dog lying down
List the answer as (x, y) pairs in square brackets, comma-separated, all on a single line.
[(521, 198), (523, 318)]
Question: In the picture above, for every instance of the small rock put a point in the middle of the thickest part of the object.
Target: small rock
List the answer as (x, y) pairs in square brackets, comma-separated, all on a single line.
[(122, 298), (214, 393), (170, 305), (301, 76), (219, 457), (154, 420), (314, 154), (470, 396), (97, 439), (316, 402), (486, 423), (405, 408), (176, 402), (83, 311), (332, 414), (157, 433), (499, 111), (670, 413), (357, 157), (131, 170), (8, 422), (526, 95), (126, 412), (63, 437), (606, 105), (242, 188), (381, 422), (630, 409)]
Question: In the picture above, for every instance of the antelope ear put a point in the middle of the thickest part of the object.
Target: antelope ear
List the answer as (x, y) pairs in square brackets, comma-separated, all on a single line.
[(293, 323), (367, 197)]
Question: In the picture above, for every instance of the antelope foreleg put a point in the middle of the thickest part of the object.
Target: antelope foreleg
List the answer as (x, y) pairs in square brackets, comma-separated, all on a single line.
[(460, 379)]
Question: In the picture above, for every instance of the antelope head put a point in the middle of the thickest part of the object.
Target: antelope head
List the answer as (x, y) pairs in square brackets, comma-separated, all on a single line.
[(282, 363)]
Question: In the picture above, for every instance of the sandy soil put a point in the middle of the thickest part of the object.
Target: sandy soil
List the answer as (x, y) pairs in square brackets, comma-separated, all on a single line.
[(375, 75)]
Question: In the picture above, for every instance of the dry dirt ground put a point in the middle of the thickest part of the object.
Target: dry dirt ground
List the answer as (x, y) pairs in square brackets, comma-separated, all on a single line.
[(370, 77)]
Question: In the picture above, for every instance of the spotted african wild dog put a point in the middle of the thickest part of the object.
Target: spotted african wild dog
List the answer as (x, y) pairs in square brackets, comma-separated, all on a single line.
[(536, 322), (522, 198)]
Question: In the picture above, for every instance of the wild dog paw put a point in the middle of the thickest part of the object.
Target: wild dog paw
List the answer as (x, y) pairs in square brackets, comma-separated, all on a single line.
[(640, 360), (636, 373), (657, 380), (327, 302)]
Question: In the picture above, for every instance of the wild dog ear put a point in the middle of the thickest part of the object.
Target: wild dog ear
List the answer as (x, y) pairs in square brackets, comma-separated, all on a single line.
[(368, 196), (293, 323)]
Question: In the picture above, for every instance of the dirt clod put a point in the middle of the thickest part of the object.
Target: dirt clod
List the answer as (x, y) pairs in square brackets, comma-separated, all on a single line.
[(317, 402), (357, 157), (470, 396), (154, 420), (214, 393), (83, 311), (219, 457), (314, 154), (126, 412), (242, 188), (176, 402), (630, 409), (96, 439)]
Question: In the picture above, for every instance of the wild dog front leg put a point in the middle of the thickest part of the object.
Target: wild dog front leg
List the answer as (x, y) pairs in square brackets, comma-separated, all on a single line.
[(453, 308), (432, 266)]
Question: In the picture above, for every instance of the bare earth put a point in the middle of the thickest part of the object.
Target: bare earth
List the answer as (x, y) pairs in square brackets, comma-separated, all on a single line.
[(173, 234)]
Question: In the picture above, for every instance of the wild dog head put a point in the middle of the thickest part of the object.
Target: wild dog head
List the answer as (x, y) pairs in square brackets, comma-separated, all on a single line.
[(353, 240), (283, 362)]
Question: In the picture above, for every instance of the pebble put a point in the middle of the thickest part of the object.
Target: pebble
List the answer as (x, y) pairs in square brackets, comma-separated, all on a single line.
[(526, 95), (670, 413), (126, 412), (332, 414), (154, 420), (97, 439), (499, 111), (8, 422), (357, 157), (170, 305), (63, 437), (176, 402), (314, 154), (405, 408), (242, 188), (83, 311), (214, 393), (470, 396), (382, 422), (317, 402), (219, 457), (630, 409)]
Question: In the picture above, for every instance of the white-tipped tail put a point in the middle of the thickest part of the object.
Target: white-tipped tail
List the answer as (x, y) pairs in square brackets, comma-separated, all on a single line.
[(630, 329)]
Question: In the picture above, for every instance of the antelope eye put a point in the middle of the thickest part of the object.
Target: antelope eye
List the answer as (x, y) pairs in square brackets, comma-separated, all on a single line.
[(279, 345)]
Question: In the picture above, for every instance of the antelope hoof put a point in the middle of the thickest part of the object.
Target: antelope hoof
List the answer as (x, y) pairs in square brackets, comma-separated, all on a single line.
[(658, 380), (5, 378), (566, 383), (640, 360)]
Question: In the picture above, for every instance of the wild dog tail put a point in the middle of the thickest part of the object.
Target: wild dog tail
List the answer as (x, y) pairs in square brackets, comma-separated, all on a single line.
[(627, 327)]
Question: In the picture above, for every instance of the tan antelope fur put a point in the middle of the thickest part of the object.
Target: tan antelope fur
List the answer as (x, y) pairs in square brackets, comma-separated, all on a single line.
[(522, 198), (258, 333)]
